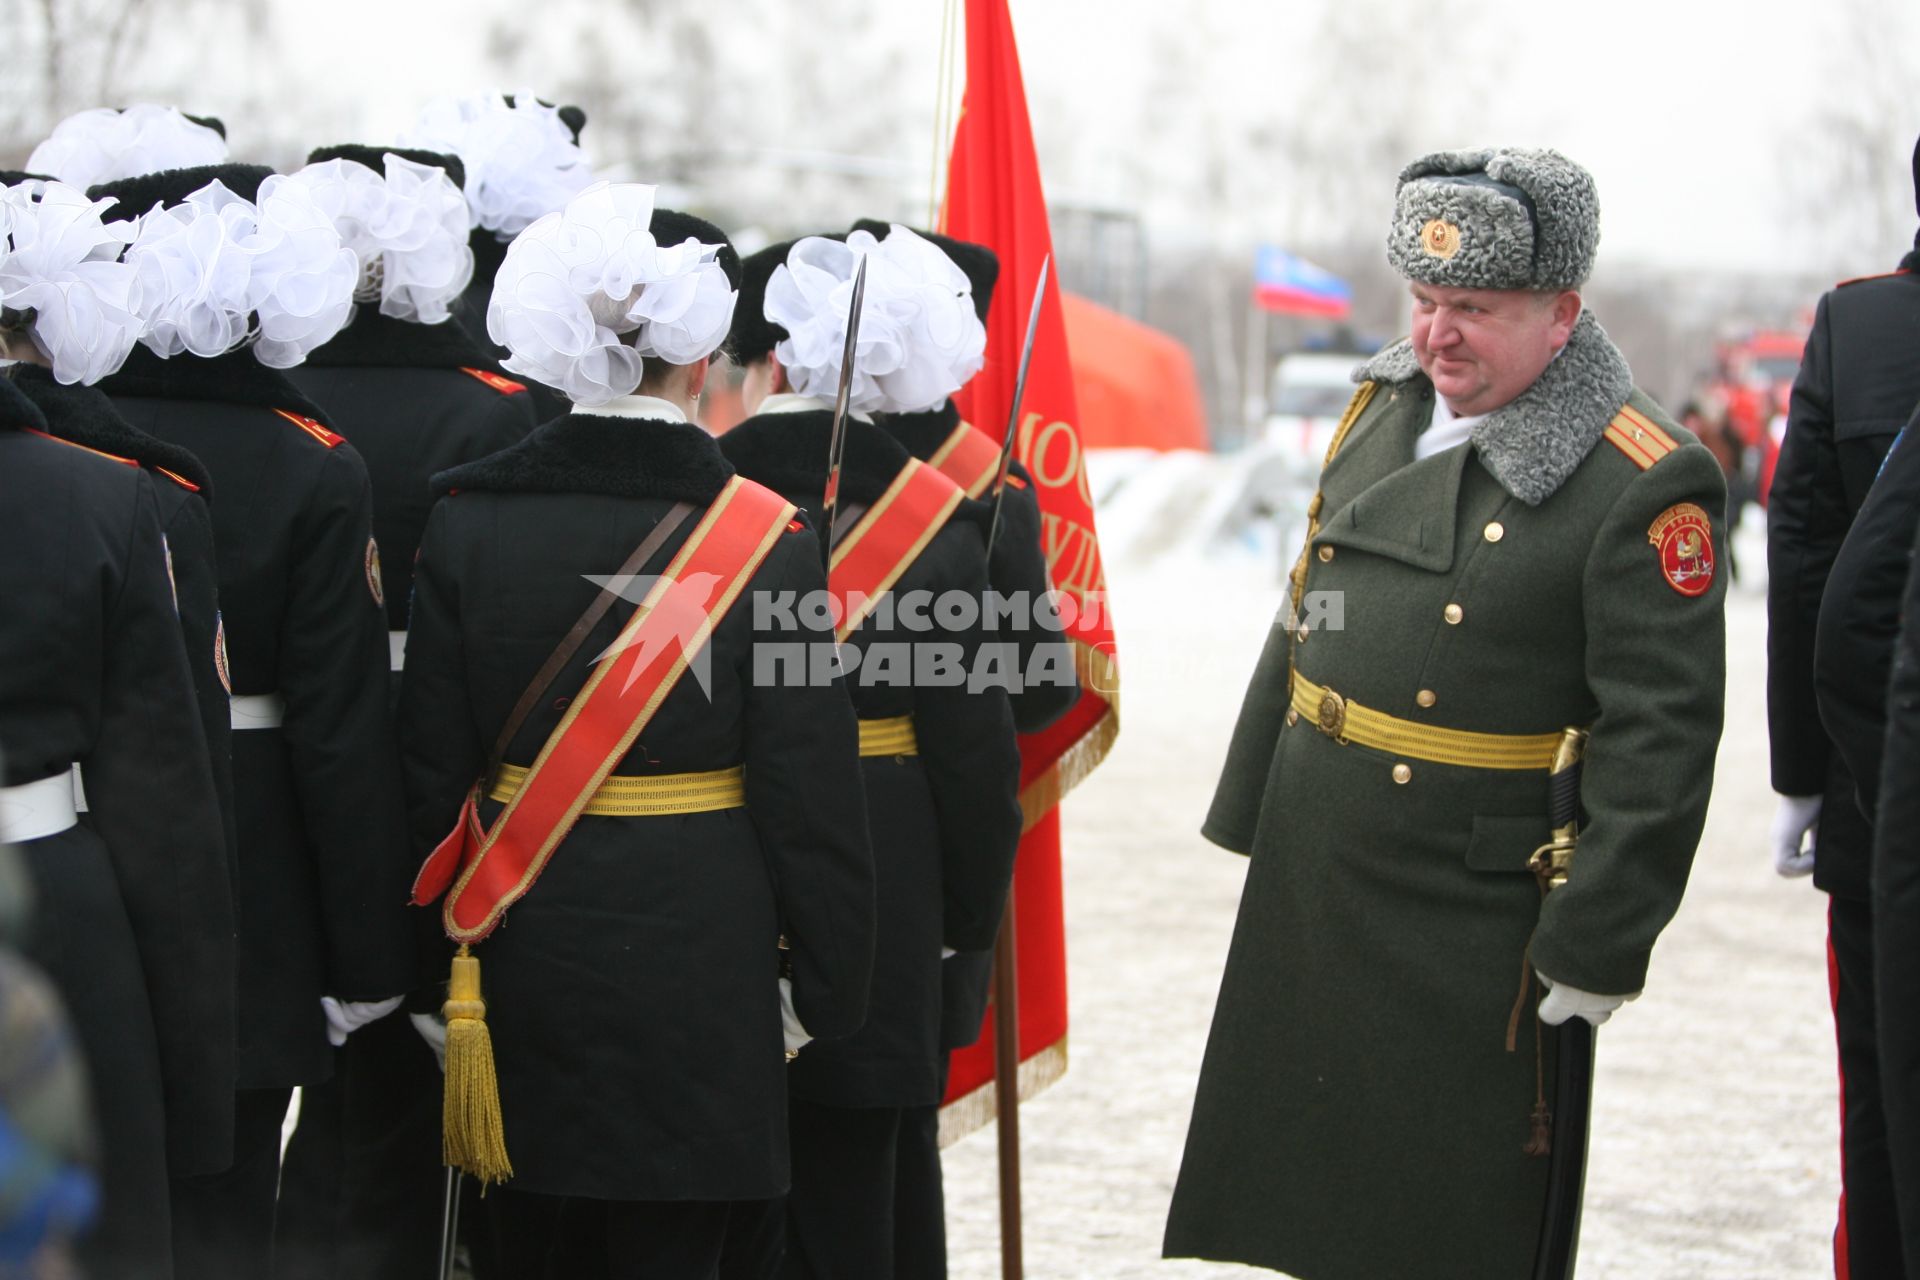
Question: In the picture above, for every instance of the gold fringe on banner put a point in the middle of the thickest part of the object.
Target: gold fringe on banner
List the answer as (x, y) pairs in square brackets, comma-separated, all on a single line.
[(472, 1136), (977, 1110), (1097, 671)]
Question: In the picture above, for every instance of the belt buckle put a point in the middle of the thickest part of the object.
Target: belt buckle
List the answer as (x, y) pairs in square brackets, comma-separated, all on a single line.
[(1332, 716)]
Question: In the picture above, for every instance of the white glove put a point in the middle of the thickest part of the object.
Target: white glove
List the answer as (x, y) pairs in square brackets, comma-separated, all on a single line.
[(1565, 1002), (1796, 828), (790, 1029), (344, 1017), (434, 1032)]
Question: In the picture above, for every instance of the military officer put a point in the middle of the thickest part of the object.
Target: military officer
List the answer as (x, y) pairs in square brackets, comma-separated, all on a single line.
[(1509, 540), (940, 762), (325, 940), (360, 1190), (1857, 383)]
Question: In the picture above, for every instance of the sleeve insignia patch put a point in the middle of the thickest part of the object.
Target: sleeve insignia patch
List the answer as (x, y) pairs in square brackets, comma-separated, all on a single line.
[(374, 583), (1683, 535), (220, 653)]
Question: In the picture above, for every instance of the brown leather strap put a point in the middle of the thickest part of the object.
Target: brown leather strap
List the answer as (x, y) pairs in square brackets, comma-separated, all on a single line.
[(558, 659)]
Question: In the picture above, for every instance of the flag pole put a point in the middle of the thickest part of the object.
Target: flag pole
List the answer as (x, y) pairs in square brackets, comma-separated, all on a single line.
[(1006, 1089)]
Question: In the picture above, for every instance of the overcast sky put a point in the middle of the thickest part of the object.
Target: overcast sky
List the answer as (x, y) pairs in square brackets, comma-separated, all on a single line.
[(1699, 118)]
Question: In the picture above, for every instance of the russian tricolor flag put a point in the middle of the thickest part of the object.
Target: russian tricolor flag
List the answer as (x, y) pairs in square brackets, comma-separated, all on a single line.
[(1289, 284)]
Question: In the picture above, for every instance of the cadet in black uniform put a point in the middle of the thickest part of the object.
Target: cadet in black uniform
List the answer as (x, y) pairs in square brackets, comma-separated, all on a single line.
[(633, 997), (323, 862), (1858, 382), (1016, 569), (522, 161), (135, 915), (1896, 902), (361, 1184), (943, 814)]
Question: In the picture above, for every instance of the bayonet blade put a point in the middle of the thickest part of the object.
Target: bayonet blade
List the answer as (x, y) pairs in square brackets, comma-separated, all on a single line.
[(837, 441), (1019, 392)]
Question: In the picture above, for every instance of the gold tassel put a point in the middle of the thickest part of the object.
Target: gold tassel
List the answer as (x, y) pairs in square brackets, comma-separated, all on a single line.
[(473, 1138)]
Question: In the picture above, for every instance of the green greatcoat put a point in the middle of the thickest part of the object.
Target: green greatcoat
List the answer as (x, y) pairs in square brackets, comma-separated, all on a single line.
[(1359, 1114)]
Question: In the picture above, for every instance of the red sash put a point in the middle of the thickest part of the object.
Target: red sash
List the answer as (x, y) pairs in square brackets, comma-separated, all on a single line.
[(667, 631), (969, 458), (889, 536)]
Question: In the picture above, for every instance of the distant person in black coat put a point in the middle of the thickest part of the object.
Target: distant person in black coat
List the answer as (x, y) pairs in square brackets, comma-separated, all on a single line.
[(325, 944), (361, 1186), (634, 995), (942, 797), (1859, 380)]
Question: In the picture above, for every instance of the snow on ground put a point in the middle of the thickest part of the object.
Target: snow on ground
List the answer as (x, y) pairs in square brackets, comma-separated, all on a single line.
[(1715, 1143)]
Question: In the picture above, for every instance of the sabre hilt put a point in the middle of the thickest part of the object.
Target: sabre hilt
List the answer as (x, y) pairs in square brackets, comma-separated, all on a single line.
[(1552, 861)]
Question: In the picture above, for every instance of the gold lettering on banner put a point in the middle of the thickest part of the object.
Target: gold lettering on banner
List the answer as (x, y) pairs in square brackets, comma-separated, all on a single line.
[(1073, 556), (1052, 455)]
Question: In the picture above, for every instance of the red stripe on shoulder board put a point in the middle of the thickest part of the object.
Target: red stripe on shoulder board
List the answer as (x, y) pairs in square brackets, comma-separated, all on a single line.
[(98, 453), (312, 428), (180, 480), (505, 386)]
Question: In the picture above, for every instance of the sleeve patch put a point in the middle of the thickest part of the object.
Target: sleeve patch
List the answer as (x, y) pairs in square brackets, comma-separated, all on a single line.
[(312, 428), (374, 582), (1683, 536), (505, 386)]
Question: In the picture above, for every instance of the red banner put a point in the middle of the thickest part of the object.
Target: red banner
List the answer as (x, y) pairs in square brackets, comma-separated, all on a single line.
[(994, 198)]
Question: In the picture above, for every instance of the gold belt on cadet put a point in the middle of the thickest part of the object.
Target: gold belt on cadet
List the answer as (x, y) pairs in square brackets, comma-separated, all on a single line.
[(893, 736), (643, 796), (1346, 721)]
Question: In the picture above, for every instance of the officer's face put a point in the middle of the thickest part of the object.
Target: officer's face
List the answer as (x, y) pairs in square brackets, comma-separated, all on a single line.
[(1483, 347)]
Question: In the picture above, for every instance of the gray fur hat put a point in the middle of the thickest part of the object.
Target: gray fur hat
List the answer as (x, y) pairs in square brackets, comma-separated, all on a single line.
[(1497, 218)]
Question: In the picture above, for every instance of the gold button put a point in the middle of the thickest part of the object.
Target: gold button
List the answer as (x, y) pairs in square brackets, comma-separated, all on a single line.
[(1402, 774), (1454, 613), (1302, 633), (1494, 531), (1426, 697), (1293, 717), (1326, 554)]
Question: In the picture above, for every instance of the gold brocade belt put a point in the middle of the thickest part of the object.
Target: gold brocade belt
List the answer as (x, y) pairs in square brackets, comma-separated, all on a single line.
[(893, 736), (647, 796), (1347, 721)]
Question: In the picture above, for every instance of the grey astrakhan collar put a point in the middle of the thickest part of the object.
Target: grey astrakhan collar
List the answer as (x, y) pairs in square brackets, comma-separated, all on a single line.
[(1535, 441)]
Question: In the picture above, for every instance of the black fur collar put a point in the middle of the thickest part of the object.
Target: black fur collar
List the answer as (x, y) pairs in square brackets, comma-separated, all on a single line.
[(923, 433), (233, 378), (85, 416), (1910, 261), (18, 411), (594, 453), (787, 452), (372, 340)]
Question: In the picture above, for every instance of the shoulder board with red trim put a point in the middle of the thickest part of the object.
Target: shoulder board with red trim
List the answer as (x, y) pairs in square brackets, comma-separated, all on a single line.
[(180, 480), (1883, 275), (98, 453), (1638, 437), (505, 386), (312, 428)]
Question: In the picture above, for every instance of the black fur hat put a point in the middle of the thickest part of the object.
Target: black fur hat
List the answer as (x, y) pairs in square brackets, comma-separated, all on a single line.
[(671, 227), (374, 158), (754, 336), (573, 117), (214, 123), (981, 264), (173, 186), (14, 177)]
